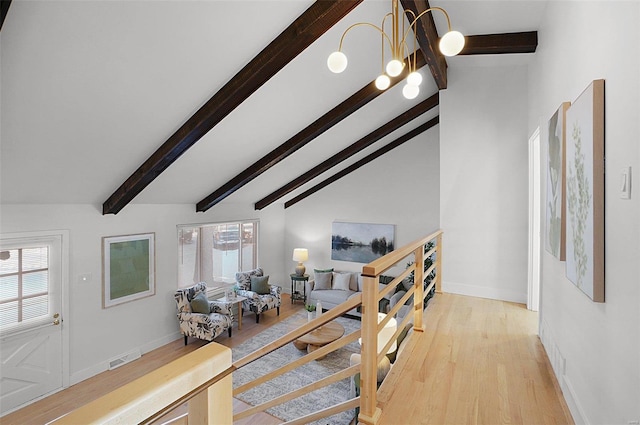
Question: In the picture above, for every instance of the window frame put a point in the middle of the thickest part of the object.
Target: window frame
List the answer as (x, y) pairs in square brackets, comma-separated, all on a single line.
[(215, 282), (58, 259)]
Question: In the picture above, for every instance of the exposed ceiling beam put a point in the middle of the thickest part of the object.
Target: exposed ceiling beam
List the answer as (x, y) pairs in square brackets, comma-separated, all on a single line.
[(351, 150), (4, 9), (427, 35), (308, 27), (402, 139), (492, 44), (319, 126)]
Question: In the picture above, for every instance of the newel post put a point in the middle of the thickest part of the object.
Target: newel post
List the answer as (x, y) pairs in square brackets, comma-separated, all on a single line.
[(369, 411)]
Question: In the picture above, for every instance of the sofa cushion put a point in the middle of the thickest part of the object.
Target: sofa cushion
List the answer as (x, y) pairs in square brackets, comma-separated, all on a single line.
[(341, 281), (260, 285), (332, 296), (322, 281), (200, 304)]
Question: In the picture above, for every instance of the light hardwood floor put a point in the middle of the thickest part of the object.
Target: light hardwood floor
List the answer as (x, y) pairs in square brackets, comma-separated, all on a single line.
[(478, 362)]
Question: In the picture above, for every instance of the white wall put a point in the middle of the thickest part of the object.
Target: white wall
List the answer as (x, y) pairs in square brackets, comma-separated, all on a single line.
[(380, 192), (595, 347), (483, 175), (96, 334)]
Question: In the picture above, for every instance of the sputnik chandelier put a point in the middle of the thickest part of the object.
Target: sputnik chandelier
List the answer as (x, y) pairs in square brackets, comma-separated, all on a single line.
[(450, 45)]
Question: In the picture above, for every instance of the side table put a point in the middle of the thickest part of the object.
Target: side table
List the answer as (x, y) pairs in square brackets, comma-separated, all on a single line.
[(231, 301), (295, 294)]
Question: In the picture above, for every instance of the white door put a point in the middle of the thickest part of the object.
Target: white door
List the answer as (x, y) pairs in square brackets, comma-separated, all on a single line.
[(31, 331), (533, 295)]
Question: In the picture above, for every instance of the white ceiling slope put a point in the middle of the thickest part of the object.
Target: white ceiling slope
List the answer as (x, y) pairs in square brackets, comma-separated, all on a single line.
[(90, 89)]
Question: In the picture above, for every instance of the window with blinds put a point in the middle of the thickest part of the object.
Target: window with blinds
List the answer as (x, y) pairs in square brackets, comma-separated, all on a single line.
[(24, 284)]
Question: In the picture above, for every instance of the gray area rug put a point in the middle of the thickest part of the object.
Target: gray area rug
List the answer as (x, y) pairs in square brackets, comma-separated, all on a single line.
[(304, 375)]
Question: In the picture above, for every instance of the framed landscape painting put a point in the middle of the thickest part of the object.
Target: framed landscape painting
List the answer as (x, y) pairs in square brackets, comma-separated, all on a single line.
[(555, 219), (585, 192), (128, 268), (361, 242)]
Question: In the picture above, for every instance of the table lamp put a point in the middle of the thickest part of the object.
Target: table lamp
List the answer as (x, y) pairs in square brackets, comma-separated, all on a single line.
[(386, 334), (300, 255)]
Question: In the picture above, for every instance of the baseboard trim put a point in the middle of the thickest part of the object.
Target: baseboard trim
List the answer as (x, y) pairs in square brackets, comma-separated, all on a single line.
[(484, 292), (572, 401), (103, 366), (558, 367)]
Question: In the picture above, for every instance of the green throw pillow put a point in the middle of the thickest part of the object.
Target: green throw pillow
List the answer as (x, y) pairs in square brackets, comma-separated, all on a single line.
[(323, 270), (260, 285), (200, 304)]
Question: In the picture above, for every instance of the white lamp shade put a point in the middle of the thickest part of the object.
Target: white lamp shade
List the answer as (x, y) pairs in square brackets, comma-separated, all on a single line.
[(383, 82), (414, 79), (300, 254), (386, 334), (337, 62), (410, 92), (451, 43), (394, 68)]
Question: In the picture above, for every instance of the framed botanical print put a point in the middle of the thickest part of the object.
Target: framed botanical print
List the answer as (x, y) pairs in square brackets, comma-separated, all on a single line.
[(585, 192)]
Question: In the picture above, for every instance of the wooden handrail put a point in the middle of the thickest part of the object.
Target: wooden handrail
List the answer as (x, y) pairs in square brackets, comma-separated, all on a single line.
[(382, 264), (142, 398)]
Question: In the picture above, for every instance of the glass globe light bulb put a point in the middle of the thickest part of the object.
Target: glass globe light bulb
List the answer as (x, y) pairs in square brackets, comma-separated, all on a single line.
[(394, 68), (383, 82), (337, 62), (451, 43), (410, 92), (414, 79)]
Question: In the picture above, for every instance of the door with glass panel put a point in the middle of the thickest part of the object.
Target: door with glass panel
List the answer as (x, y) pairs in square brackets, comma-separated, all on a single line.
[(31, 348)]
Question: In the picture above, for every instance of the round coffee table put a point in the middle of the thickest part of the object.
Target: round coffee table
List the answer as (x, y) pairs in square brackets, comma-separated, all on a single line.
[(319, 337)]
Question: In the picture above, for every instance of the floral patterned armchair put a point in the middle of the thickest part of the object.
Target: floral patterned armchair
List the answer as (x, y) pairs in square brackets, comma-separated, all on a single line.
[(255, 302), (201, 325)]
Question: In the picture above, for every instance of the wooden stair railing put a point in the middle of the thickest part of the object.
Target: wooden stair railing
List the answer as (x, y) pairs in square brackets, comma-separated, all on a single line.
[(371, 353), (203, 378)]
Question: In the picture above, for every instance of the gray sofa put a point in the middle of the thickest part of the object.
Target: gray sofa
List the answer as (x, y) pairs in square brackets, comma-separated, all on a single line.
[(332, 288)]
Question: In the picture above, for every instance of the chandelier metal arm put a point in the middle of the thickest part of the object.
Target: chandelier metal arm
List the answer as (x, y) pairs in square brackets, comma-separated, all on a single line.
[(424, 12), (377, 28)]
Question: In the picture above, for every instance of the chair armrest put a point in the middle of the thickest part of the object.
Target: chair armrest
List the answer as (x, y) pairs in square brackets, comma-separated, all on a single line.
[(194, 317), (309, 286), (395, 298), (276, 290), (222, 307), (248, 294)]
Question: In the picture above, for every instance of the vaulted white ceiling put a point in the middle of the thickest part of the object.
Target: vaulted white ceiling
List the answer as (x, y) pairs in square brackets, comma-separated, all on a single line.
[(90, 89)]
